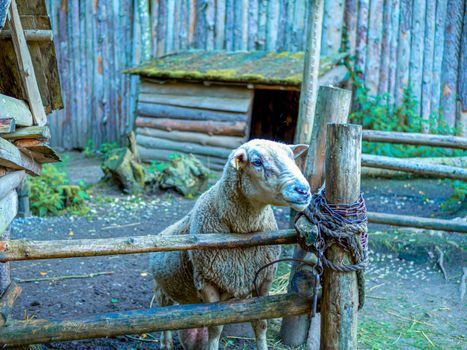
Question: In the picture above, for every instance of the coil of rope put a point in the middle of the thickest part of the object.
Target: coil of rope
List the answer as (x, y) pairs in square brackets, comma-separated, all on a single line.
[(341, 224)]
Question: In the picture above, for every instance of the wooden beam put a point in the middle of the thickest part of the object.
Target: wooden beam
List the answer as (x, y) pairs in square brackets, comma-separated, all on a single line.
[(11, 157), (155, 319), (42, 154), (10, 182), (209, 127), (27, 143), (400, 164), (31, 35), (7, 301), (406, 138), (339, 303), (418, 222), (7, 125), (33, 132), (32, 250), (26, 67), (11, 107)]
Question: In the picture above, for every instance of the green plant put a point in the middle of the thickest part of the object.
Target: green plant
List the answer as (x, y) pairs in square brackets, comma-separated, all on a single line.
[(106, 147), (379, 113), (51, 194), (458, 198), (89, 149)]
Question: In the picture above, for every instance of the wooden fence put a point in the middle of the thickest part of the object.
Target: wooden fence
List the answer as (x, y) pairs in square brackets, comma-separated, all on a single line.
[(395, 42)]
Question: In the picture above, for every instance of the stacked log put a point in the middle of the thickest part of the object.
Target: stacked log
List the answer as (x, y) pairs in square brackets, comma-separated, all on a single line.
[(181, 118)]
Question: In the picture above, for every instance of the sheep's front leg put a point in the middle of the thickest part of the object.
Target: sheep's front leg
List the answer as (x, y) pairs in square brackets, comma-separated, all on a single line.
[(210, 294), (261, 326)]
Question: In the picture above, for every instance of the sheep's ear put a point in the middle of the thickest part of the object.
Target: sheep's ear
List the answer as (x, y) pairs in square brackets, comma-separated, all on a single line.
[(298, 150), (239, 158)]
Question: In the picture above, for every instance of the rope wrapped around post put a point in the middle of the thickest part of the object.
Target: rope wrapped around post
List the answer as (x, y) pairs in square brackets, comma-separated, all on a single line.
[(342, 224)]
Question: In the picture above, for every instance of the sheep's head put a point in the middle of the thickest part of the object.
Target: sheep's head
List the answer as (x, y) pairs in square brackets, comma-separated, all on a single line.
[(269, 174)]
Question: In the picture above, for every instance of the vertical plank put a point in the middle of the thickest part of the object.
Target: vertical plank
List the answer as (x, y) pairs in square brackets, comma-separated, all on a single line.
[(440, 22), (393, 50), (333, 21), (177, 25), (350, 23), (162, 28), (403, 52), (26, 68), (450, 68), (262, 18), (339, 302), (281, 37), (362, 38), (298, 26), (374, 46), (244, 25), (385, 48), (220, 24), (209, 13), (154, 5), (273, 25), (169, 32), (428, 51), (461, 122), (143, 11), (416, 50)]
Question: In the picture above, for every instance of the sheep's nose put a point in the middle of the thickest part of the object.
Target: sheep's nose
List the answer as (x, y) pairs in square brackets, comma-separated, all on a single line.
[(302, 190)]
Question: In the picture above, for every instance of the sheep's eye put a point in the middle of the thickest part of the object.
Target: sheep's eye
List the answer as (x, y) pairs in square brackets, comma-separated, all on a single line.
[(257, 163)]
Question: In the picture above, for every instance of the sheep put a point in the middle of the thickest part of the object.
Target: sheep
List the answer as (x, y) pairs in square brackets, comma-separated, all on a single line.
[(258, 174)]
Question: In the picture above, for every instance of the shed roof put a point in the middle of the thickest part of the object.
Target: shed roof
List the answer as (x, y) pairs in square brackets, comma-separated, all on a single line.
[(257, 67)]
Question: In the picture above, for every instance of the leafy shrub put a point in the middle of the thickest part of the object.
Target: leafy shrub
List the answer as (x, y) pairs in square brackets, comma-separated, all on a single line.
[(90, 150), (459, 196), (378, 113), (51, 193)]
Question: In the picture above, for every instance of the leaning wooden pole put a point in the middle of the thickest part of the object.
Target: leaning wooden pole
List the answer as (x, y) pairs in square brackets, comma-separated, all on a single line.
[(333, 106), (309, 89), (339, 304)]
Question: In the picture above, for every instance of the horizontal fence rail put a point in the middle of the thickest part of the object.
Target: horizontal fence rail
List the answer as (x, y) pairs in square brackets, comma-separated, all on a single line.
[(156, 319), (33, 250), (406, 138), (431, 170), (419, 222), (15, 250)]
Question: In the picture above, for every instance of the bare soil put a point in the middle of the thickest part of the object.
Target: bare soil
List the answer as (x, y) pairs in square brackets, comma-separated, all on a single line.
[(410, 304)]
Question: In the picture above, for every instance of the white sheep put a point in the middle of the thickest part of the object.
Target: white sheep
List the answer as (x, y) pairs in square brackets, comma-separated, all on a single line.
[(258, 174)]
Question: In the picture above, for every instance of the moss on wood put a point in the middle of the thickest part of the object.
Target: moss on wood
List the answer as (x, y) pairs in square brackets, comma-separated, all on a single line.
[(260, 67)]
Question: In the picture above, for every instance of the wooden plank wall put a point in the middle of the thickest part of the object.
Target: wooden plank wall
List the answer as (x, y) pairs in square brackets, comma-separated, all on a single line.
[(395, 41), (94, 43)]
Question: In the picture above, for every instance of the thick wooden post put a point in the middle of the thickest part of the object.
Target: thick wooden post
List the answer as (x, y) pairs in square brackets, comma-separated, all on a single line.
[(332, 106), (339, 303)]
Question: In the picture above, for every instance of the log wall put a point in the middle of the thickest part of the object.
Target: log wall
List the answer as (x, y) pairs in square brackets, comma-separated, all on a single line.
[(395, 42), (177, 118)]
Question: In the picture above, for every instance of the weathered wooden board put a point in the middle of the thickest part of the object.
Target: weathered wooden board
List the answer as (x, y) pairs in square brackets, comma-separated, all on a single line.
[(8, 209), (30, 35), (41, 153), (209, 127), (11, 157), (25, 65), (32, 132), (193, 137), (10, 182), (202, 102), (151, 86), (7, 125), (158, 143), (11, 107), (163, 111)]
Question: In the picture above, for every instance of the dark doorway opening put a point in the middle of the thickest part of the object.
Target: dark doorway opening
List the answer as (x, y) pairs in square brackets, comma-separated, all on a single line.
[(275, 115)]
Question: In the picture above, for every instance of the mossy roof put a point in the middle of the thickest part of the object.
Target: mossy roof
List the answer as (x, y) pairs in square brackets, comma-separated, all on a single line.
[(257, 67)]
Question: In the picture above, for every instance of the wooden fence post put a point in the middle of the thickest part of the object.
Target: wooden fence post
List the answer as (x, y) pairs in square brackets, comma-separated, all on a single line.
[(339, 303), (332, 106)]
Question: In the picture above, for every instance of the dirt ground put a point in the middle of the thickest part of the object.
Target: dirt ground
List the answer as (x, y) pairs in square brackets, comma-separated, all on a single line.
[(410, 304)]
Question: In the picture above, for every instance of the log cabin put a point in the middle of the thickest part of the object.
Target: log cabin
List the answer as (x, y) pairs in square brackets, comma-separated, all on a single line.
[(208, 102), (29, 90)]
